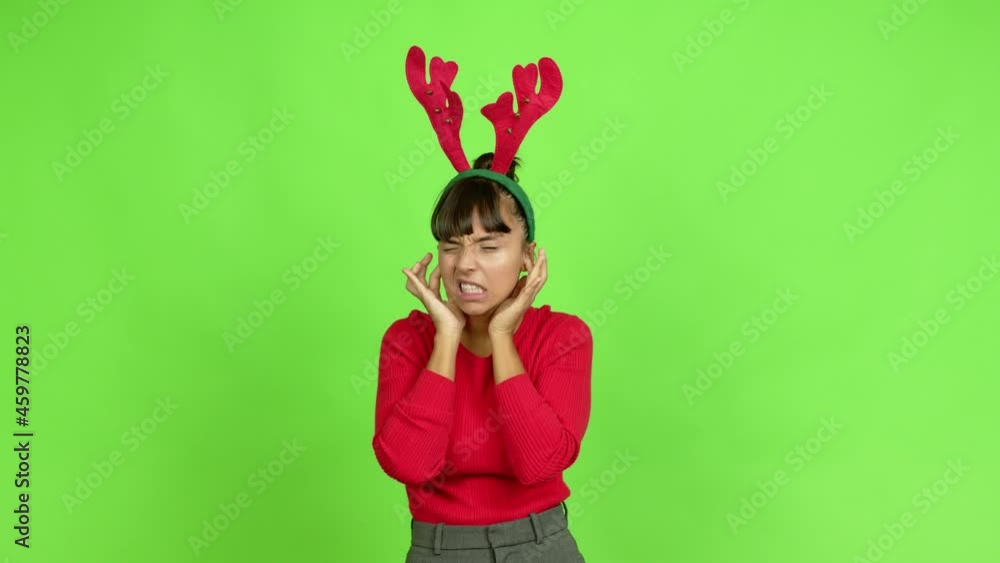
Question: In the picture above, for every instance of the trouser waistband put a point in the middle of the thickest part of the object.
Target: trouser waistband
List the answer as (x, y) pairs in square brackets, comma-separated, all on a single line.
[(534, 527)]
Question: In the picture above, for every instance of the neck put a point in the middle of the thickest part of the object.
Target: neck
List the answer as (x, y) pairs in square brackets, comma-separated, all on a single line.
[(477, 326)]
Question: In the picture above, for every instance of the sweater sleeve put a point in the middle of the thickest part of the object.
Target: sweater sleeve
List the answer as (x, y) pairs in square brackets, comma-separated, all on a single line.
[(414, 410), (545, 419)]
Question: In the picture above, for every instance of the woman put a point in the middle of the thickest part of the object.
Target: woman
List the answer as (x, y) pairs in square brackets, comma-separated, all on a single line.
[(483, 399)]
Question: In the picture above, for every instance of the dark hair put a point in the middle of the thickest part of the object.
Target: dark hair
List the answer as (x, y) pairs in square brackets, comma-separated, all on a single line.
[(453, 213)]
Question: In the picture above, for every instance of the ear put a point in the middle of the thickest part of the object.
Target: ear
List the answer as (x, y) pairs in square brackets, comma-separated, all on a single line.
[(529, 254)]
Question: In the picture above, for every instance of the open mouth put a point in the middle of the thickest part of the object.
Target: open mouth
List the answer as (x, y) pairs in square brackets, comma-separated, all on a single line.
[(470, 291)]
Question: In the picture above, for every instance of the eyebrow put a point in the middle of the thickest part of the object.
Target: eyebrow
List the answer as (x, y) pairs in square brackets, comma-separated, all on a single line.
[(490, 236)]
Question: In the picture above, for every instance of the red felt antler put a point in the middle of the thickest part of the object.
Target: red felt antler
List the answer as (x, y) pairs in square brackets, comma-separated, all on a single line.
[(443, 106), (511, 127)]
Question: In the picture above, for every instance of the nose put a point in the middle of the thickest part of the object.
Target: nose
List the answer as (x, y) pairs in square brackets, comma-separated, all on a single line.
[(466, 258)]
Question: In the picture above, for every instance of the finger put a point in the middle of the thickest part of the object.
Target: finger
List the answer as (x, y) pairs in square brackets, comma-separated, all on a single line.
[(537, 287), (424, 260), (529, 294), (533, 266), (519, 287), (411, 277), (524, 299), (540, 269), (539, 275), (421, 266), (543, 275), (415, 271), (435, 285), (419, 287), (414, 276), (424, 274), (409, 281)]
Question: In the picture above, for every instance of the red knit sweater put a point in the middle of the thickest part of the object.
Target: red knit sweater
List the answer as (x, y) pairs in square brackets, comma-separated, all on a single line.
[(471, 452)]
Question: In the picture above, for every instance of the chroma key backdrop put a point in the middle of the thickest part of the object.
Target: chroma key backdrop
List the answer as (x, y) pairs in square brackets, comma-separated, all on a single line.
[(779, 221)]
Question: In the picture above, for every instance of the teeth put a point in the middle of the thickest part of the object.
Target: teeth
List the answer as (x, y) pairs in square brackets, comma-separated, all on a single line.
[(469, 288)]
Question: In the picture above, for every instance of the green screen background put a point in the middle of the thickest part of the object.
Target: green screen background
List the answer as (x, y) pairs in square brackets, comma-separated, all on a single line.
[(669, 270)]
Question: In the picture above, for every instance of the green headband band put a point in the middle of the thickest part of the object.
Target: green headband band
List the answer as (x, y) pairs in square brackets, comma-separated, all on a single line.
[(511, 187)]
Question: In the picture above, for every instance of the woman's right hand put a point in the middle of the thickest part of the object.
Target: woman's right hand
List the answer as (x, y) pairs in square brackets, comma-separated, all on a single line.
[(447, 316)]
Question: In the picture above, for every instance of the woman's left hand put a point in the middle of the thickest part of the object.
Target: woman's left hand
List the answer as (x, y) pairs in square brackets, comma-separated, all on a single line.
[(508, 314)]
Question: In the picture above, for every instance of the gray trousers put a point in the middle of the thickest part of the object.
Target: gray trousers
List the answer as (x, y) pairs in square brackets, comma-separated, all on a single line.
[(538, 538)]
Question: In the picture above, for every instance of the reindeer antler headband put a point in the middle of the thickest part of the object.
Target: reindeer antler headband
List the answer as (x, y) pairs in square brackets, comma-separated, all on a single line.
[(444, 107)]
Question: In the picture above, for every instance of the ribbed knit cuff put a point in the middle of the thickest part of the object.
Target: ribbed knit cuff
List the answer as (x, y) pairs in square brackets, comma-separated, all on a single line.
[(433, 391)]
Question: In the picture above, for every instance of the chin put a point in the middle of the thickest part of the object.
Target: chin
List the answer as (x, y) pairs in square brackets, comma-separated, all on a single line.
[(474, 307)]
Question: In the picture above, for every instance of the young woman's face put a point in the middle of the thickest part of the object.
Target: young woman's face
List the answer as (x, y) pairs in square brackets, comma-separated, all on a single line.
[(492, 261)]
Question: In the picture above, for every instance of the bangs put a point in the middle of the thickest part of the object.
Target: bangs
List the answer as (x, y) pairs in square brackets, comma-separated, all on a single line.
[(453, 215)]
